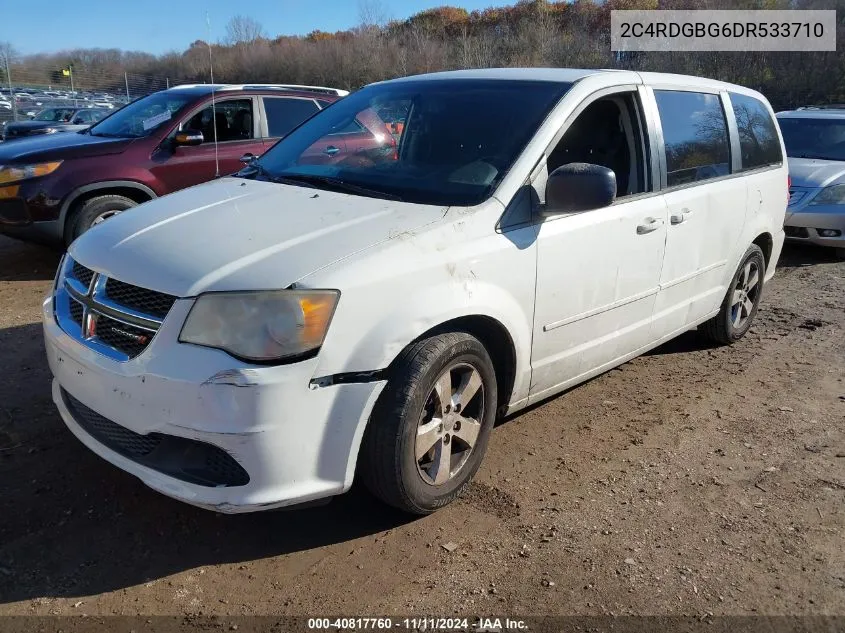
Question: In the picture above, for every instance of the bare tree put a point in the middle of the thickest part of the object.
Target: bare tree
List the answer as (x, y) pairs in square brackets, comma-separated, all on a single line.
[(8, 54), (7, 51), (372, 14), (242, 29)]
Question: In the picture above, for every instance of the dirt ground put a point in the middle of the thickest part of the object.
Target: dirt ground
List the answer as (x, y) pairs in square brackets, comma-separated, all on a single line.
[(693, 480)]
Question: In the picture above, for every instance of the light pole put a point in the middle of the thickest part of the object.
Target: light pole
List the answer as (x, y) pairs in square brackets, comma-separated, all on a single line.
[(72, 91), (11, 91)]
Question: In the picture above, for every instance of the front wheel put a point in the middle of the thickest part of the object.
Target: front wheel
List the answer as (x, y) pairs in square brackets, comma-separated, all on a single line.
[(429, 429), (95, 211), (741, 302)]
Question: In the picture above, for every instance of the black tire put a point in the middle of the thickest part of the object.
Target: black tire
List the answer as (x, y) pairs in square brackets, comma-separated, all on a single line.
[(388, 461), (85, 215), (721, 328)]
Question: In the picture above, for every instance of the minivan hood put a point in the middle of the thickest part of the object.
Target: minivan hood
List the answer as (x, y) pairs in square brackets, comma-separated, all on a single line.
[(813, 173), (47, 147), (236, 234)]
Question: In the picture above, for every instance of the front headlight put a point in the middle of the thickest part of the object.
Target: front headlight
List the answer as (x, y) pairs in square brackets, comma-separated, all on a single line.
[(261, 326), (834, 194), (47, 130), (14, 173)]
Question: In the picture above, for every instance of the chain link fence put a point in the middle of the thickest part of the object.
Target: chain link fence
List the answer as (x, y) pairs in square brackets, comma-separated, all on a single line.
[(29, 88)]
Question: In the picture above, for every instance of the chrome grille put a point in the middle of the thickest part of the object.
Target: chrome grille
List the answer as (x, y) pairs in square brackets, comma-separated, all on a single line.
[(110, 316), (127, 338), (82, 274), (150, 302), (76, 312)]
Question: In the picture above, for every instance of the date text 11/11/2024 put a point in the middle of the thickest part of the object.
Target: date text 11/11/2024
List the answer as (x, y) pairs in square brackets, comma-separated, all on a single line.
[(478, 625)]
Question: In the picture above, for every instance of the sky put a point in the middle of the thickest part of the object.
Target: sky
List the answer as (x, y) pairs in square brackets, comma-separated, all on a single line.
[(159, 26)]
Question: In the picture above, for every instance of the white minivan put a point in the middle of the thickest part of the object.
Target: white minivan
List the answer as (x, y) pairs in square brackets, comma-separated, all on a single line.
[(257, 341)]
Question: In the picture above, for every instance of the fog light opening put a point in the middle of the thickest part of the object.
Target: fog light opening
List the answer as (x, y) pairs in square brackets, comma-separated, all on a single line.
[(829, 232)]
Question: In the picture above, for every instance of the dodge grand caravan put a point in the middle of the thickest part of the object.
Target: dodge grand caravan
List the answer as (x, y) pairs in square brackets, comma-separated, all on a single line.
[(260, 340)]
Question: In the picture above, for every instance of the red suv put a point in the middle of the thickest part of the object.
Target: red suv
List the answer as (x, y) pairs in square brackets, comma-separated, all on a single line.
[(55, 187)]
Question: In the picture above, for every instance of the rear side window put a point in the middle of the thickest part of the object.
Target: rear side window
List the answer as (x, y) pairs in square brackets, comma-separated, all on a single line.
[(758, 139), (284, 114), (353, 127), (695, 135)]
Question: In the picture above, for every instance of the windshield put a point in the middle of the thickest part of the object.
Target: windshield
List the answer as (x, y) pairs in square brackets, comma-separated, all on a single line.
[(814, 138), (444, 142), (54, 115), (144, 116)]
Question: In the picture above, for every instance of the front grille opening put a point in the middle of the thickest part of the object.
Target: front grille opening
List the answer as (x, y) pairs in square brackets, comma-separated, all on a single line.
[(127, 317), (76, 310), (82, 274), (187, 460), (156, 304), (796, 231), (121, 336)]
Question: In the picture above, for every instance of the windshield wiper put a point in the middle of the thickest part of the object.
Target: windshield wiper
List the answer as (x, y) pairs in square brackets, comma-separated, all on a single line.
[(335, 184), (815, 157), (105, 135), (259, 170)]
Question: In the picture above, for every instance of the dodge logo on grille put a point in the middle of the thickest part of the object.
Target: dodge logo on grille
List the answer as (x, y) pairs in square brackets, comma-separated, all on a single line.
[(138, 338), (91, 327)]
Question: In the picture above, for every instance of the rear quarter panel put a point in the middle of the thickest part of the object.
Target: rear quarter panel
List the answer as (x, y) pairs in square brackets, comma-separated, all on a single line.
[(766, 199)]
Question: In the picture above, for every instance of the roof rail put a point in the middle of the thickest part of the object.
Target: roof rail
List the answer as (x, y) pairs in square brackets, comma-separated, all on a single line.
[(319, 89), (827, 106), (220, 87)]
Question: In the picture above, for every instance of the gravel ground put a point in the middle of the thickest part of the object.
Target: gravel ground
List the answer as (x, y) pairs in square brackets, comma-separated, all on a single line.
[(694, 480)]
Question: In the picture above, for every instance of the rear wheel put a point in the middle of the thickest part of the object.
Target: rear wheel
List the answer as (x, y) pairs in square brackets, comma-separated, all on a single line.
[(741, 302), (97, 210), (429, 430)]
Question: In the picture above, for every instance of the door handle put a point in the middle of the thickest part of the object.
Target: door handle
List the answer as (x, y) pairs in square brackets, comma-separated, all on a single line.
[(649, 225), (678, 218), (331, 150)]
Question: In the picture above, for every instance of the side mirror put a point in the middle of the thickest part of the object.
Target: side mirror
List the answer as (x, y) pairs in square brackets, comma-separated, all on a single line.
[(576, 187), (189, 137), (247, 158)]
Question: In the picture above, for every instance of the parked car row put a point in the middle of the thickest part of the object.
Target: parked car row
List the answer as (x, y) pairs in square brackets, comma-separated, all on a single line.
[(53, 120), (41, 98), (26, 103)]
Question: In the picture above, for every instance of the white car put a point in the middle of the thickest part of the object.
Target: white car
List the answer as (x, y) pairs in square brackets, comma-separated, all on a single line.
[(256, 341), (815, 146)]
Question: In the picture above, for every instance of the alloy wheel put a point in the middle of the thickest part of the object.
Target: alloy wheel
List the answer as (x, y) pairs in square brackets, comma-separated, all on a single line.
[(745, 295), (105, 216), (450, 423)]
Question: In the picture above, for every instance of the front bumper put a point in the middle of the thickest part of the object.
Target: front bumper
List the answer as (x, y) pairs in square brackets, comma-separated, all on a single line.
[(34, 214), (297, 441), (804, 225)]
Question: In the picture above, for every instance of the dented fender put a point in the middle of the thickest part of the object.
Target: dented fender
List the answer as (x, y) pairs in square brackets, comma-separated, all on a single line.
[(405, 288)]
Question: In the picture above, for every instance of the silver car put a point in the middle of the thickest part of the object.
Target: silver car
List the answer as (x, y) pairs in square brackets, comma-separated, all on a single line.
[(815, 145)]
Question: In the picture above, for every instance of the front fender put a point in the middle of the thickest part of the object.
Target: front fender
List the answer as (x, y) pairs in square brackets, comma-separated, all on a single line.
[(393, 300), (104, 186)]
